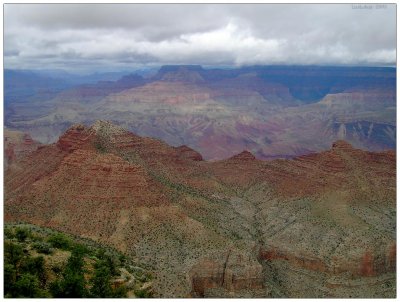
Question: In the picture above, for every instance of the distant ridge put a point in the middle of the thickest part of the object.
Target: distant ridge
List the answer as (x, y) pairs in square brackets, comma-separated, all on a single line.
[(271, 111)]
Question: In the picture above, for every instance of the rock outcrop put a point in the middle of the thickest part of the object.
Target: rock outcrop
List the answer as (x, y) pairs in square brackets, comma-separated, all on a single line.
[(76, 137), (233, 275), (186, 152), (243, 156)]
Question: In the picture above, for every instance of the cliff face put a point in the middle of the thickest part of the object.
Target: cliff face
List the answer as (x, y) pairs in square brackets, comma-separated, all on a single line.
[(367, 264), (235, 274), (319, 225)]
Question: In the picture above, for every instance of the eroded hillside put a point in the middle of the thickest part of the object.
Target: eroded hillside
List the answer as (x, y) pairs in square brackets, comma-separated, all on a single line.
[(319, 225)]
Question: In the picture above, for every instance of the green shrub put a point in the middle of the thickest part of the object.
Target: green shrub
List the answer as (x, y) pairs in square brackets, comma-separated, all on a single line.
[(110, 260), (60, 241), (112, 263), (26, 276), (27, 286), (82, 248), (101, 286), (10, 276), (57, 269), (34, 266), (73, 284), (120, 292), (122, 259), (56, 289), (43, 247), (22, 234), (142, 293), (8, 233), (13, 253)]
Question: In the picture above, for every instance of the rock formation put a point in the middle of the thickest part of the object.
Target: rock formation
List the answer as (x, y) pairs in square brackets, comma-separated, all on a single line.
[(235, 274), (318, 225), (243, 156)]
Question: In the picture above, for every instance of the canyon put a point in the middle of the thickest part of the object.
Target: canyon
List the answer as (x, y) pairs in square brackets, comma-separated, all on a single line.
[(320, 224), (272, 111)]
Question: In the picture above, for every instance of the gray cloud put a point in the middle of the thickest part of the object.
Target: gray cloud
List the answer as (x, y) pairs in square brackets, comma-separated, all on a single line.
[(100, 36)]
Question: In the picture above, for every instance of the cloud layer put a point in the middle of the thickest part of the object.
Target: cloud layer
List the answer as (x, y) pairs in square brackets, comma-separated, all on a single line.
[(103, 36)]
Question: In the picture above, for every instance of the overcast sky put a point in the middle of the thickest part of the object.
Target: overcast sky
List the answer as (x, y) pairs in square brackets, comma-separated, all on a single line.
[(113, 36)]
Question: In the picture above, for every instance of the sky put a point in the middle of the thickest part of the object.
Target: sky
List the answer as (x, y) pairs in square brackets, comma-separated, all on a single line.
[(94, 37)]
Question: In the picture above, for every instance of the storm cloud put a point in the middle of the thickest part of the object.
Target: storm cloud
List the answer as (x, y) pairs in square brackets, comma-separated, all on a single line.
[(99, 36)]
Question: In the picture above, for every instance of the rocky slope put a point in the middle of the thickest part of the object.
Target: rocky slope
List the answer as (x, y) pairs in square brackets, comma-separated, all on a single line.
[(319, 225)]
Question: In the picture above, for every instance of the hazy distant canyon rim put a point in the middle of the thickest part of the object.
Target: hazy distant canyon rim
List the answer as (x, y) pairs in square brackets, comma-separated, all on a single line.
[(272, 111)]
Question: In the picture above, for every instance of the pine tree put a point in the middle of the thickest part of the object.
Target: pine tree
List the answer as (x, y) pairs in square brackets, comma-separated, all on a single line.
[(101, 286)]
